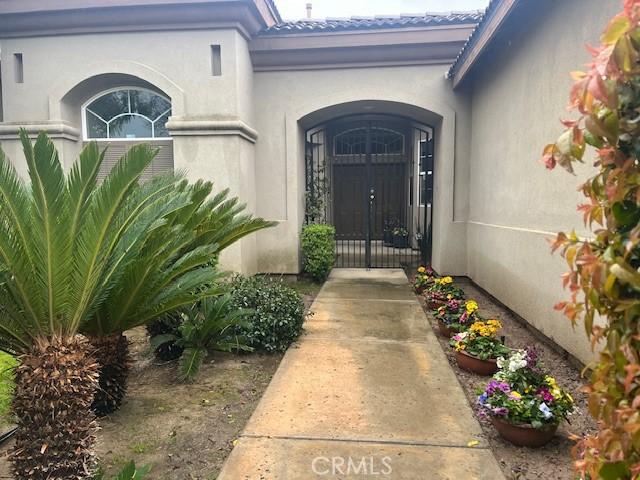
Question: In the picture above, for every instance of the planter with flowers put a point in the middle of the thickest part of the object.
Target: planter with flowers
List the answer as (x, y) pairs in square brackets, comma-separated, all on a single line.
[(523, 402), (441, 291), (400, 238), (478, 348), (456, 316), (423, 279)]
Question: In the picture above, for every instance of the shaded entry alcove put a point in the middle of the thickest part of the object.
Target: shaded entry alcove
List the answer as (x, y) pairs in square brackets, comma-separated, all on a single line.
[(371, 175)]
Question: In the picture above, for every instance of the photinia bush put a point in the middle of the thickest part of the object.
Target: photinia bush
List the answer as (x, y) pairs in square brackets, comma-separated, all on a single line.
[(604, 277)]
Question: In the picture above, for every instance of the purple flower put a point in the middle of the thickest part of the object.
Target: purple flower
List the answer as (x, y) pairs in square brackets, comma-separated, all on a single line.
[(501, 411), (453, 305), (495, 385), (545, 394), (464, 317), (532, 357), (482, 398)]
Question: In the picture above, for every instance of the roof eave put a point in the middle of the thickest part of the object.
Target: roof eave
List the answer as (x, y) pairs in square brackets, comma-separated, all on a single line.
[(495, 16)]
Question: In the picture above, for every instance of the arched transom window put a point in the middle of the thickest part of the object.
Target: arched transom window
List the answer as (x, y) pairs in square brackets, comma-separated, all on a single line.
[(127, 113), (383, 141)]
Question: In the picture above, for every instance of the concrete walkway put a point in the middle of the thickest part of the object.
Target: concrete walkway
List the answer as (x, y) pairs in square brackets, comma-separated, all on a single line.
[(366, 392)]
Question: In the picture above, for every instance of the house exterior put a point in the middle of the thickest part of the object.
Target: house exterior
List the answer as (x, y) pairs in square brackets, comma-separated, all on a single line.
[(426, 124)]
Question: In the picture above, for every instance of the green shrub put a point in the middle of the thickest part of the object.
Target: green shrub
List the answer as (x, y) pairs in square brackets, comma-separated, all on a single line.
[(318, 241), (278, 312), (7, 366)]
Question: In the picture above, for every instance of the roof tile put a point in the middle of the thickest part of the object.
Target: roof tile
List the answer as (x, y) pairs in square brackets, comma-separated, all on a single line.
[(377, 22)]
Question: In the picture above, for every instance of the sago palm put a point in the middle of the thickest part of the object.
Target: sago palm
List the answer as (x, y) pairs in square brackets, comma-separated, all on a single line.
[(208, 326), (68, 245), (173, 260)]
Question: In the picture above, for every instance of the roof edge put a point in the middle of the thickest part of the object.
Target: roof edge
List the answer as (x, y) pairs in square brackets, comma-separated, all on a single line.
[(495, 15)]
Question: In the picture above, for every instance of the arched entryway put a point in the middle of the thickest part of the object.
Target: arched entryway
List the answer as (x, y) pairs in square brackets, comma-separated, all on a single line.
[(371, 176)]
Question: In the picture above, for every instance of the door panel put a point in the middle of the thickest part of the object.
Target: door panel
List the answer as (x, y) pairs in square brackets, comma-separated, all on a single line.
[(350, 192), (389, 192)]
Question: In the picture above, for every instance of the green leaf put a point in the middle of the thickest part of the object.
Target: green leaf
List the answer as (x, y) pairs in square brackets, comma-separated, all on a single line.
[(158, 340), (615, 29), (190, 363), (627, 214), (615, 471)]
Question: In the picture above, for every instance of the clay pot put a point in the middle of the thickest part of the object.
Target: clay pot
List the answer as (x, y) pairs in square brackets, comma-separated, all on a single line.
[(444, 330), (524, 435), (476, 365), (434, 304)]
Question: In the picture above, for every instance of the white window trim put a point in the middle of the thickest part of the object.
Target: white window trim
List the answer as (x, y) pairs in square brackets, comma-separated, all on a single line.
[(85, 105)]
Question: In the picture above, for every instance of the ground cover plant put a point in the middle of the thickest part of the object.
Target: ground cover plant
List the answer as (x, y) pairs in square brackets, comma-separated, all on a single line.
[(603, 275), (7, 366)]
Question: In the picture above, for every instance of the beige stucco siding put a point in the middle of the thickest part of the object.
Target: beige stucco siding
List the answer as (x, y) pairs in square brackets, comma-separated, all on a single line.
[(283, 99), (520, 90), (62, 72)]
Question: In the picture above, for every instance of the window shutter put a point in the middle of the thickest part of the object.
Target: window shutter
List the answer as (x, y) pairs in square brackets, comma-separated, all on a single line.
[(115, 150)]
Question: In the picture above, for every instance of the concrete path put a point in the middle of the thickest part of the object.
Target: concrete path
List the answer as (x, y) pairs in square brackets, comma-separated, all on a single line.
[(366, 393)]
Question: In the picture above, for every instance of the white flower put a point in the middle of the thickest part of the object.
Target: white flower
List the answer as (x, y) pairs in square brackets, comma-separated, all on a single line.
[(545, 410)]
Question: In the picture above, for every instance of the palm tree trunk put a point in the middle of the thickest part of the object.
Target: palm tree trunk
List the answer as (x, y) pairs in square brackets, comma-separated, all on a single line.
[(55, 385), (114, 359)]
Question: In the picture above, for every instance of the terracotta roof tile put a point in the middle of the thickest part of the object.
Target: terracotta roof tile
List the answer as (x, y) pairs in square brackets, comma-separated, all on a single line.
[(377, 22)]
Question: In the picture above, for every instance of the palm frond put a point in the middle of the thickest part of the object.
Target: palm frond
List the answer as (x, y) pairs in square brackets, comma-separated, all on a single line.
[(96, 240), (190, 362), (50, 238)]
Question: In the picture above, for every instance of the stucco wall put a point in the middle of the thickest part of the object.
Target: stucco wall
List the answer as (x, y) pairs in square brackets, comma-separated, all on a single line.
[(520, 91), (62, 72), (283, 99)]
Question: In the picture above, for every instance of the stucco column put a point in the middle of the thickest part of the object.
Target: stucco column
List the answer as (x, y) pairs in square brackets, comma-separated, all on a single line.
[(221, 151)]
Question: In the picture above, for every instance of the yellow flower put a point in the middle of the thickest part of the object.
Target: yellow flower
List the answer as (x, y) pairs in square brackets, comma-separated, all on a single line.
[(515, 394), (446, 280), (528, 389), (421, 269), (471, 306), (449, 297)]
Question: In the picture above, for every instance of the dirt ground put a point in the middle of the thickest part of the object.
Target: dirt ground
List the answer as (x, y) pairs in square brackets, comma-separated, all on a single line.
[(184, 431), (552, 462)]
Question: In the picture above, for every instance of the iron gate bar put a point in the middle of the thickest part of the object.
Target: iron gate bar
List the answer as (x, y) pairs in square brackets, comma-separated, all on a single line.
[(340, 176)]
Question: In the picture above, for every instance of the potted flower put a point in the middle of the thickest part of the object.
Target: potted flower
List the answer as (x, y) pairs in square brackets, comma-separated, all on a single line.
[(400, 237), (422, 279), (456, 316), (441, 291), (478, 348), (523, 402)]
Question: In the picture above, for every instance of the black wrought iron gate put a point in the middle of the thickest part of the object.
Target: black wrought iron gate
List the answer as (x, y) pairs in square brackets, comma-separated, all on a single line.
[(372, 178)]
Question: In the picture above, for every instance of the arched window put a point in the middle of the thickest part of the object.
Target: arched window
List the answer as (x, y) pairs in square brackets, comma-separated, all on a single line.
[(126, 114), (354, 141)]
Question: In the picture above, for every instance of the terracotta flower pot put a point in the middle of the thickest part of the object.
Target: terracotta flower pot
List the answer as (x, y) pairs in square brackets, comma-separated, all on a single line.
[(444, 330), (524, 435), (433, 304), (476, 365)]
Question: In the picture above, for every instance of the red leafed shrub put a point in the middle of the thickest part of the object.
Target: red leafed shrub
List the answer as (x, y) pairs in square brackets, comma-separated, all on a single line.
[(603, 277)]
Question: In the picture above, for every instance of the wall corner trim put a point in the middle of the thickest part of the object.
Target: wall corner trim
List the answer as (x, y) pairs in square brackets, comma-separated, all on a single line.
[(205, 127), (54, 128)]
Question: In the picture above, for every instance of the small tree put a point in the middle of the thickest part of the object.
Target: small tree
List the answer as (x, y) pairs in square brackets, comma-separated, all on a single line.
[(604, 277)]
